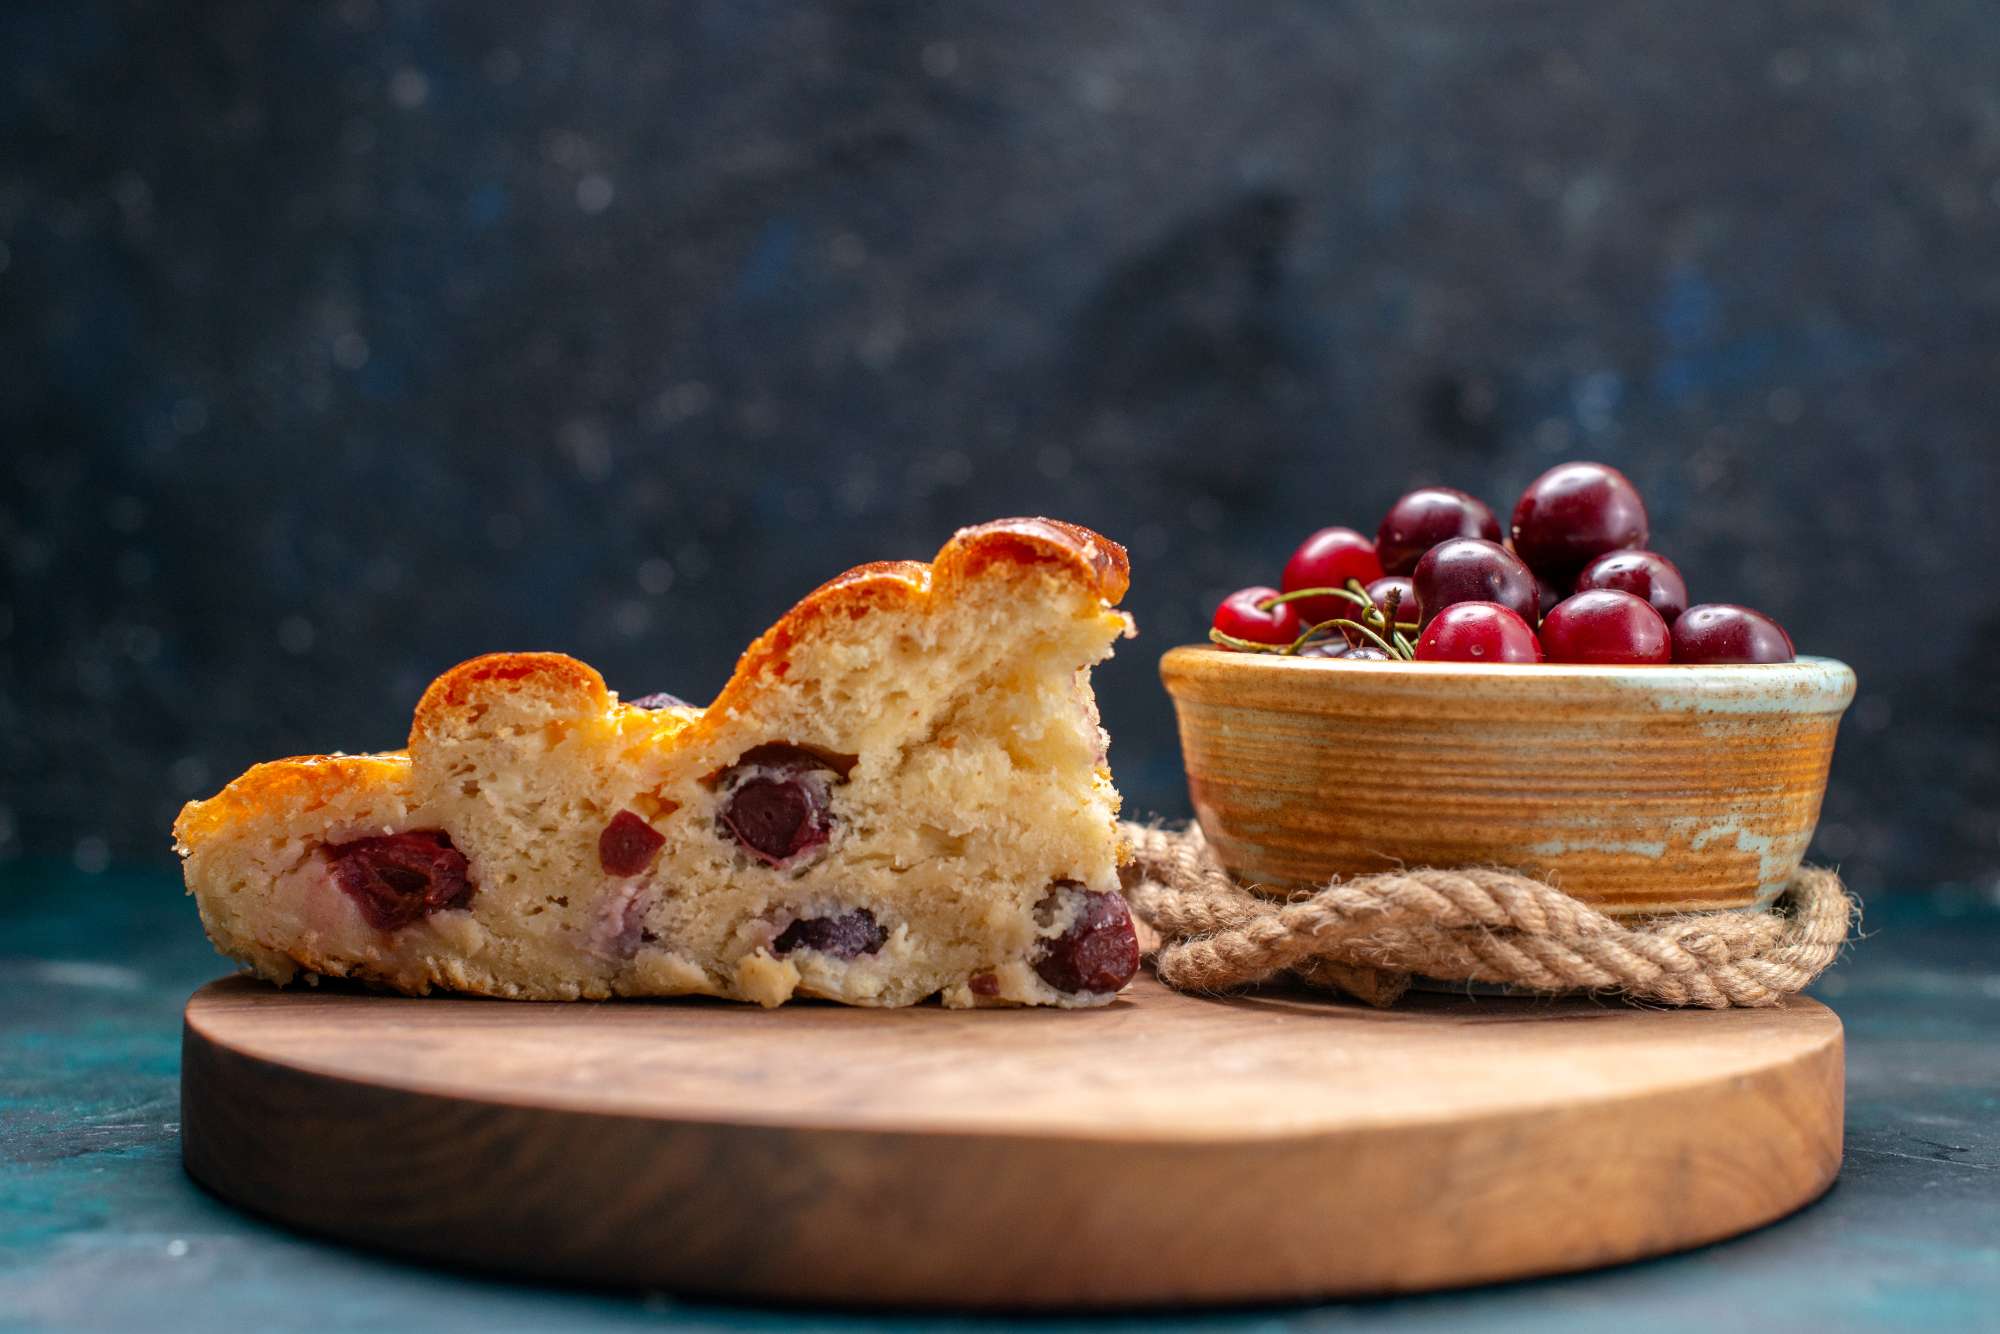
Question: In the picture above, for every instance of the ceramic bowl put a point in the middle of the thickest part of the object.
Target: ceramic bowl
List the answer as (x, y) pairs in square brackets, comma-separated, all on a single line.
[(1637, 789)]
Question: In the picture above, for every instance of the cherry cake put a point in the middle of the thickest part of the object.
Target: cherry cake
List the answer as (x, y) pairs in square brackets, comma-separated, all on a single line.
[(901, 793)]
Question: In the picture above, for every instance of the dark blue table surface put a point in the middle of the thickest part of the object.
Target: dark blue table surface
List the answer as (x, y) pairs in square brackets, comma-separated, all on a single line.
[(99, 1228)]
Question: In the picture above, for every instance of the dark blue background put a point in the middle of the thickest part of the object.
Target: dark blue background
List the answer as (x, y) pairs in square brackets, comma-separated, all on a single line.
[(340, 342)]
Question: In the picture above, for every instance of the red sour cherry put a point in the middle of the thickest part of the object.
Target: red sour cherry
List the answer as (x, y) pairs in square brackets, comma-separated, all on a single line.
[(1328, 559), (1603, 625), (1425, 517), (1478, 632), (1574, 513), (1241, 615), (1720, 632), (1471, 569), (1643, 574)]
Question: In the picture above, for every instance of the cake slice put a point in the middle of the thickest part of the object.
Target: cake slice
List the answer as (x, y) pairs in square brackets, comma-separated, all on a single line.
[(901, 792)]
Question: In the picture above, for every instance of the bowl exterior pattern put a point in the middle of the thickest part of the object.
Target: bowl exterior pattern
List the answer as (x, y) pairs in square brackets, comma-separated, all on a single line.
[(1639, 790)]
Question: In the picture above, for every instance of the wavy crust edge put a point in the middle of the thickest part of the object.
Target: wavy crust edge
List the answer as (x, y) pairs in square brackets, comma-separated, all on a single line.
[(304, 781), (1096, 563)]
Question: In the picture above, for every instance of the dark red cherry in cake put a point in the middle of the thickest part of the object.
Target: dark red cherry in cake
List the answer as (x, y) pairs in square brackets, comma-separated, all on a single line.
[(1471, 569), (1478, 632), (777, 802), (1643, 574), (1425, 517), (628, 844), (1606, 627), (400, 879), (1721, 632), (1328, 559), (1243, 615), (1098, 951), (845, 935), (1574, 513)]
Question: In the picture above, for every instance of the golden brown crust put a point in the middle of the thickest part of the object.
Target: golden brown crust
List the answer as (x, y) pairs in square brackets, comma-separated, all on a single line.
[(302, 783), (878, 584), (1093, 561), (469, 684), (1096, 558)]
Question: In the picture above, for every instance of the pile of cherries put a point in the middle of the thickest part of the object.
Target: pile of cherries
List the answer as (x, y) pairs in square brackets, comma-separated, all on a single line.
[(1574, 582)]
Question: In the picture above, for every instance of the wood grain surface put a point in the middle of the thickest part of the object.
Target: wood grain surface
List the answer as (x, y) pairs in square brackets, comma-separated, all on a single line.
[(1169, 1149)]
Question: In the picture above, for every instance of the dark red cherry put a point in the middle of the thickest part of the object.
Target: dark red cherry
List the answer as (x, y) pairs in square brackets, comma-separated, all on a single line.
[(1721, 632), (777, 801), (1574, 513), (1643, 574), (1471, 569), (1241, 616), (628, 844), (1603, 625), (1425, 517), (1098, 951), (1328, 559), (1406, 596), (1478, 632), (845, 936), (398, 879)]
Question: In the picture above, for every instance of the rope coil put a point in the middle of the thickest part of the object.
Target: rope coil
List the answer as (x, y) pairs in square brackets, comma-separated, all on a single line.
[(1369, 935)]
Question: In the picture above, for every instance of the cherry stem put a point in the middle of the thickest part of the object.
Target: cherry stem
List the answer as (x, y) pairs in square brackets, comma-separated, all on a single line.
[(1243, 645), (1382, 622), (1380, 642), (1361, 598), (1395, 645)]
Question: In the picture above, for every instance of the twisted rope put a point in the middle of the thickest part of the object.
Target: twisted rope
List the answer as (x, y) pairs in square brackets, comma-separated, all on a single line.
[(1369, 935)]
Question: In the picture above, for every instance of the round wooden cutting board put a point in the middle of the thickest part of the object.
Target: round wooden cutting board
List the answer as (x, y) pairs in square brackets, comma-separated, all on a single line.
[(1167, 1150)]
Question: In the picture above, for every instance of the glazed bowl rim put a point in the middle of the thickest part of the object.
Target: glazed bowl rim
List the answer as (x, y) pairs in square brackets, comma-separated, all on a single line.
[(1827, 681)]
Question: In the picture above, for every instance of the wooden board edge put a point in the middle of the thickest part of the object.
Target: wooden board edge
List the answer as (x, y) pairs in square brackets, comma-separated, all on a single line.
[(961, 1221)]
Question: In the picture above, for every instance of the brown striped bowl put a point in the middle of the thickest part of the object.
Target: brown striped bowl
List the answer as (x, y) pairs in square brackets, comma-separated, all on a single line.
[(1637, 789)]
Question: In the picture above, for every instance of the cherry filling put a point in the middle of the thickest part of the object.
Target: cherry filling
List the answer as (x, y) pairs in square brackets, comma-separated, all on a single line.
[(777, 801), (1098, 952), (398, 879), (628, 844), (846, 936)]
